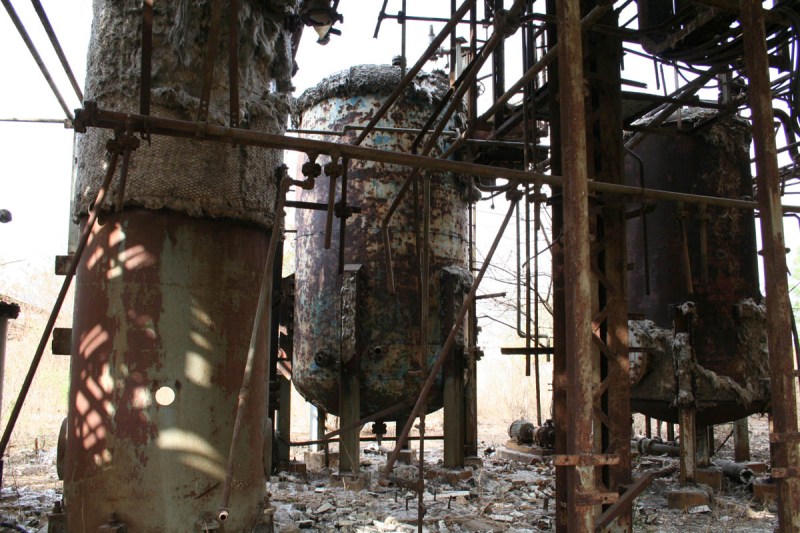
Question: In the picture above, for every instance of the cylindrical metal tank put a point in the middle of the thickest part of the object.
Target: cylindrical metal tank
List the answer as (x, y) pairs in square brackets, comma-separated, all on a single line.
[(704, 255), (389, 329), (167, 288), (164, 303)]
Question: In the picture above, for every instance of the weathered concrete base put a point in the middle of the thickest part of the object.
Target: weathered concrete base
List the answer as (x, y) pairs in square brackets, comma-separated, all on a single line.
[(473, 461), (294, 467), (525, 458), (757, 467), (764, 492), (316, 460), (687, 497), (359, 481), (709, 476), (524, 448), (406, 457)]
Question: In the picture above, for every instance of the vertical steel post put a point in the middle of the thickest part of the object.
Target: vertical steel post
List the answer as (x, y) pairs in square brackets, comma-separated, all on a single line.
[(453, 375), (741, 441), (688, 459), (284, 425), (559, 312), (578, 290), (782, 383)]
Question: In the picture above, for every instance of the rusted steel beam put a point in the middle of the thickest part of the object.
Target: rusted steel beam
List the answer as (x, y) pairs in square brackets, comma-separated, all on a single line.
[(606, 157), (147, 57), (782, 383), (210, 59), (625, 500), (36, 57), (51, 34), (448, 344), (384, 413), (233, 62), (577, 265), (70, 274), (467, 80), (413, 71), (91, 116), (317, 442)]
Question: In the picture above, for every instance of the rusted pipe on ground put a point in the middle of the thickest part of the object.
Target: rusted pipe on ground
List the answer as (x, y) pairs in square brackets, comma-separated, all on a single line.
[(448, 344), (413, 71), (115, 146), (738, 472), (91, 116), (263, 315), (647, 446), (36, 57), (51, 34)]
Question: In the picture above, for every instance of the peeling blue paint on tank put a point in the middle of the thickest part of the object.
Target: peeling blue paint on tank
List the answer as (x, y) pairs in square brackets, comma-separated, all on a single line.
[(389, 336)]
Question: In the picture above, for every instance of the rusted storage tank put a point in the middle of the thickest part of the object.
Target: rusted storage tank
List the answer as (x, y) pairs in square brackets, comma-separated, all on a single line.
[(389, 325), (167, 289), (697, 265)]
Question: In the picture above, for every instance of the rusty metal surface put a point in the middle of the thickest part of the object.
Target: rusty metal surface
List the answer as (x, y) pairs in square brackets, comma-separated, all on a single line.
[(721, 256), (390, 332), (577, 265), (160, 302), (782, 382)]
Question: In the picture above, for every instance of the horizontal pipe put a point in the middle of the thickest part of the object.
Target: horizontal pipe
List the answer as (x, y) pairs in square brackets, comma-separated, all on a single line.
[(362, 439), (91, 116)]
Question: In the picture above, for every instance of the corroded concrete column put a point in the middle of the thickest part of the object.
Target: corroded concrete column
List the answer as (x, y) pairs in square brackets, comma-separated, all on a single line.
[(167, 290)]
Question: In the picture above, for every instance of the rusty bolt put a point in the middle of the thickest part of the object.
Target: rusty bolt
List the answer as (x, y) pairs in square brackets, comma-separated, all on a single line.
[(334, 169)]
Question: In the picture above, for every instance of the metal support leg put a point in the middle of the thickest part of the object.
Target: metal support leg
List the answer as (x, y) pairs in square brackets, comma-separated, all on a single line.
[(786, 457), (284, 426), (688, 459), (350, 392), (454, 420), (703, 447), (741, 441)]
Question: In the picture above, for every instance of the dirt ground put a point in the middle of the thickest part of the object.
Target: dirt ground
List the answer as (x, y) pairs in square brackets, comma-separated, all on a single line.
[(499, 495)]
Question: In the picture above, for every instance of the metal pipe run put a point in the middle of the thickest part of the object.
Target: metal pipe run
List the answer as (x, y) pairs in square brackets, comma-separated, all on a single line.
[(36, 57), (91, 116), (448, 344), (51, 34), (413, 71), (263, 316), (317, 442)]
